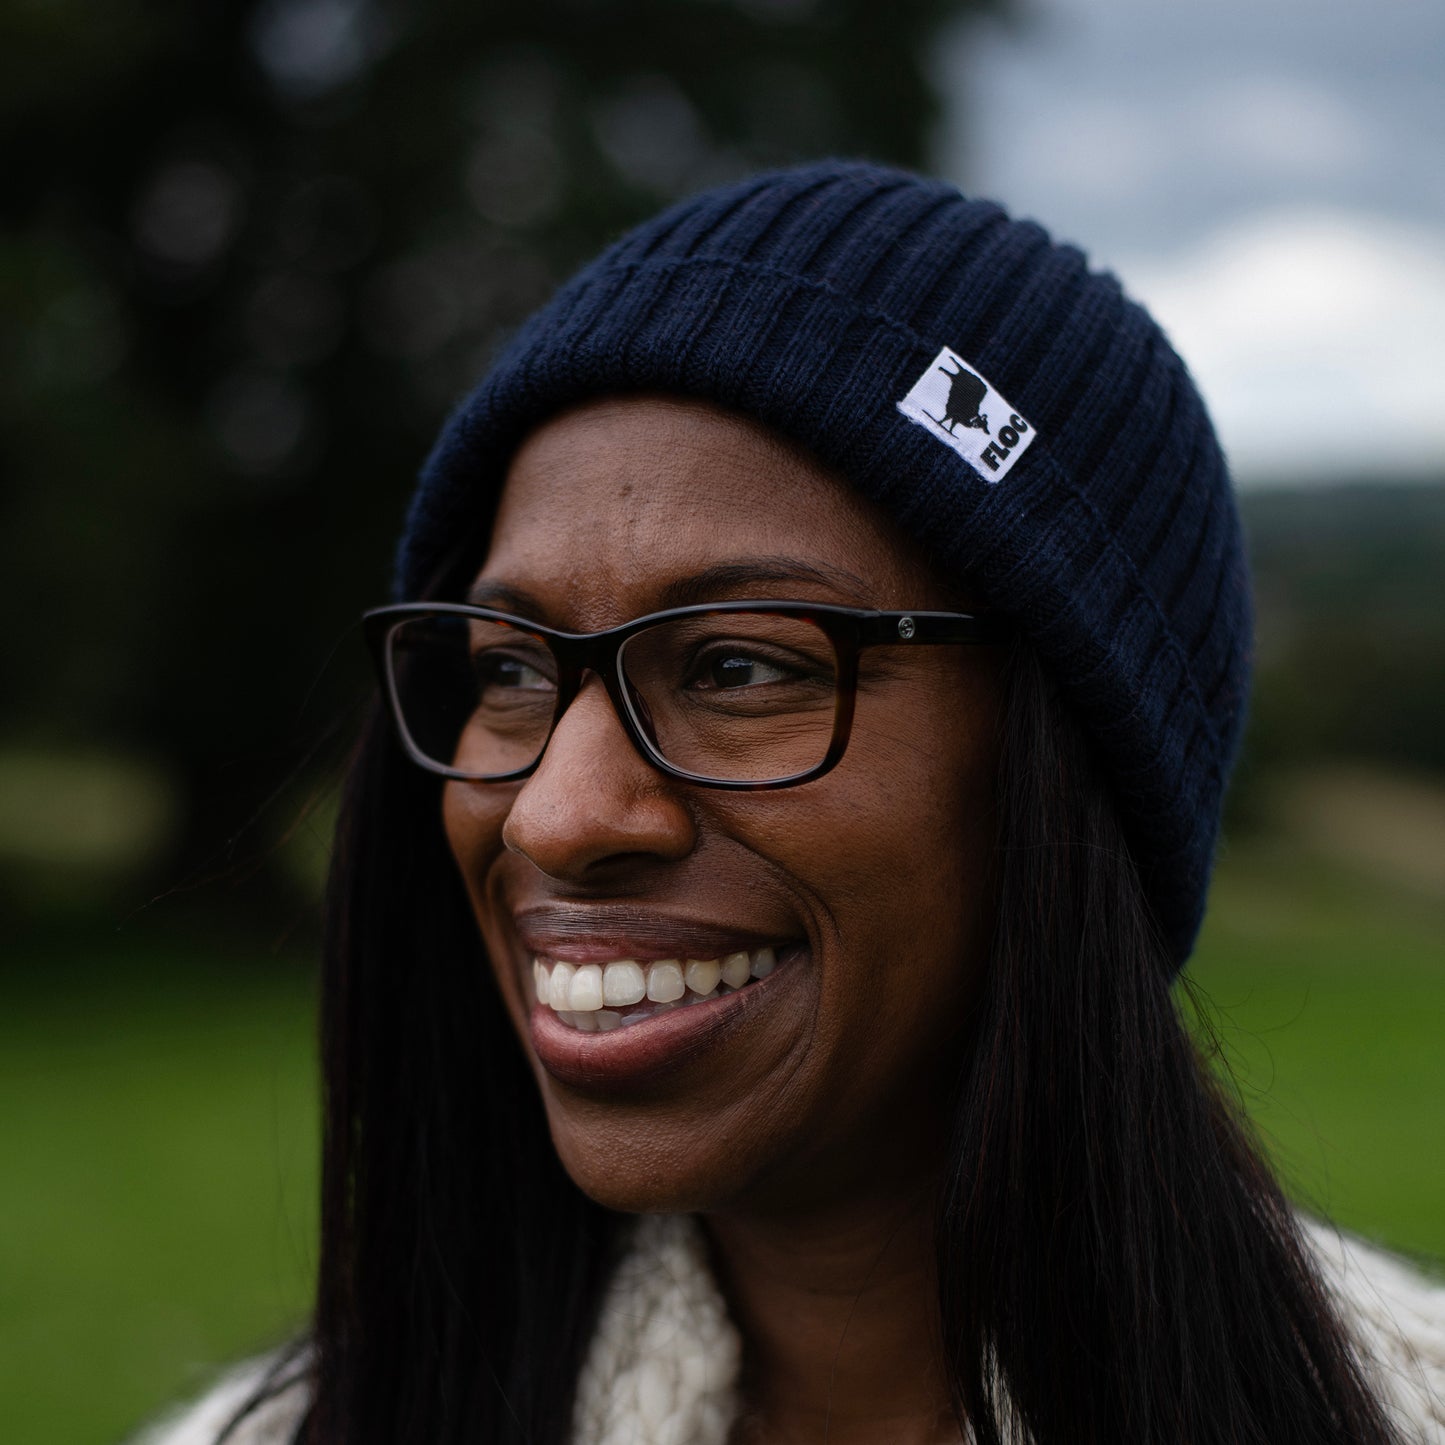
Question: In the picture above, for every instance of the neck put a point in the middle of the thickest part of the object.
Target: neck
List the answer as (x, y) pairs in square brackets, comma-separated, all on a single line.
[(838, 1311)]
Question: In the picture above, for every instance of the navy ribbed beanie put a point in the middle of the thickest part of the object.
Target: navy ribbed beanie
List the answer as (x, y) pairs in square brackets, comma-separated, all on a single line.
[(1009, 407)]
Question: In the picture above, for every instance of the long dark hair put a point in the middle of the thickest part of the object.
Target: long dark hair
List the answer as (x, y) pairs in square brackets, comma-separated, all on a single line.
[(1116, 1260), (1116, 1263)]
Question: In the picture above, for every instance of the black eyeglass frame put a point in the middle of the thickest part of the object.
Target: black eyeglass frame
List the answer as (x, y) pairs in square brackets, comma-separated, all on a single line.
[(849, 629)]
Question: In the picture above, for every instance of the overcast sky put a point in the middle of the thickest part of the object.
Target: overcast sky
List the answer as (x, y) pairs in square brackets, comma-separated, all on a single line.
[(1268, 176)]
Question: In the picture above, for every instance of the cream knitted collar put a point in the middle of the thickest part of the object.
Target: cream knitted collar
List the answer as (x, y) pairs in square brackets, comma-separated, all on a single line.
[(663, 1366)]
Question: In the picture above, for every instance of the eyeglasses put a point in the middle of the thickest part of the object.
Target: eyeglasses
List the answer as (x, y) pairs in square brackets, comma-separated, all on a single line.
[(728, 695)]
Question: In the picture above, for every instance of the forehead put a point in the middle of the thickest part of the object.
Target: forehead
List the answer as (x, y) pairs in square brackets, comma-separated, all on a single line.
[(608, 506)]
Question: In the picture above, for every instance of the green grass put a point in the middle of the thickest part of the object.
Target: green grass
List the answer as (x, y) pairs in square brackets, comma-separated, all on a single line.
[(157, 1214), (157, 1107), (1328, 995)]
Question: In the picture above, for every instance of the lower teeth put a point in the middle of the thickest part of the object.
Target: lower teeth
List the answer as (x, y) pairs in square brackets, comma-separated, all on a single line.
[(603, 1021)]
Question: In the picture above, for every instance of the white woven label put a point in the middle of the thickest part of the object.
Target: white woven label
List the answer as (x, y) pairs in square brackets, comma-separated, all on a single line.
[(954, 401)]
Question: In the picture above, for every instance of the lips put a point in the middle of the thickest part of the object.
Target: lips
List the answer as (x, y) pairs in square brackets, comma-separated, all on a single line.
[(622, 996)]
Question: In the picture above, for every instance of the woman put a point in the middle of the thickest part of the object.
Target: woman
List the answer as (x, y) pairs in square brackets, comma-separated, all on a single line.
[(747, 1012)]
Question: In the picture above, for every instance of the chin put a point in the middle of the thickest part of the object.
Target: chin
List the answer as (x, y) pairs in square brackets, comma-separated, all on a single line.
[(638, 1161)]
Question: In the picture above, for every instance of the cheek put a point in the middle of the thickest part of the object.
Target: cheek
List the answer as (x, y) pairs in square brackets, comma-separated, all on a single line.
[(472, 825), (472, 819), (894, 848), (915, 890), (893, 853), (920, 787)]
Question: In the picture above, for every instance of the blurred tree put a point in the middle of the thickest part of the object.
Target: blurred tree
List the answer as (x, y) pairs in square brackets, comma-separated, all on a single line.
[(253, 249), (1351, 634)]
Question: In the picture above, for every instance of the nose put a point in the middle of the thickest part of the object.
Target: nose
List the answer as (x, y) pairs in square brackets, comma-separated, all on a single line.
[(594, 800)]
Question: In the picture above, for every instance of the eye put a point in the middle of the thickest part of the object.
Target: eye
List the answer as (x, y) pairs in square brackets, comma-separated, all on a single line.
[(733, 668), (500, 671), (745, 663)]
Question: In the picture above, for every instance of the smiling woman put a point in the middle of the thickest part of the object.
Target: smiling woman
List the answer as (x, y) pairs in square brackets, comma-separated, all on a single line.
[(600, 882), (747, 1011)]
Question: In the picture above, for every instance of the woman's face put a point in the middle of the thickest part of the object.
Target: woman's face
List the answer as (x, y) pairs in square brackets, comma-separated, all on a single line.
[(870, 884)]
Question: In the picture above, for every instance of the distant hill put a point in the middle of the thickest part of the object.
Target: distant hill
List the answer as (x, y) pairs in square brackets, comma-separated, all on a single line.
[(1350, 588)]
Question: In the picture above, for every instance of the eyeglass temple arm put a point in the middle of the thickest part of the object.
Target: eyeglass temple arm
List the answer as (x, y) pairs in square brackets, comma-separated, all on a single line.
[(903, 628)]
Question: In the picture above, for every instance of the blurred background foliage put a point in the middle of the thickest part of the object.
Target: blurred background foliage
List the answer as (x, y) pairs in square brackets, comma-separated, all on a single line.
[(249, 254)]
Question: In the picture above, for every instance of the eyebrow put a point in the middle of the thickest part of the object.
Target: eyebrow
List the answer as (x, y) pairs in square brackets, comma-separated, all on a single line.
[(485, 592), (725, 577), (709, 585)]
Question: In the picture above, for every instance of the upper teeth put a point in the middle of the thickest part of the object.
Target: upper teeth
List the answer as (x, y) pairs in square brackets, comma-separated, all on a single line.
[(600, 987)]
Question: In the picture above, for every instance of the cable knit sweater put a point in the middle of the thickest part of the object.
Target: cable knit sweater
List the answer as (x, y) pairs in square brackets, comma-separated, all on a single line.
[(663, 1366)]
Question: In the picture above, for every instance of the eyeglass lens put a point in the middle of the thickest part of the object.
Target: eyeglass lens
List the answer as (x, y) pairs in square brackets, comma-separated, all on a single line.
[(731, 696)]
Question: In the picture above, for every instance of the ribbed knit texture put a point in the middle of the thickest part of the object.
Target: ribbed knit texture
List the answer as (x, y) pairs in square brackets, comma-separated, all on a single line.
[(812, 300)]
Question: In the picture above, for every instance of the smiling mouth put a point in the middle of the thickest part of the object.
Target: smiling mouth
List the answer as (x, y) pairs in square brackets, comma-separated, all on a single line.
[(600, 997)]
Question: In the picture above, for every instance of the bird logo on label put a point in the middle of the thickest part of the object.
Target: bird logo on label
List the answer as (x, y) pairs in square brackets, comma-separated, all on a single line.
[(965, 396)]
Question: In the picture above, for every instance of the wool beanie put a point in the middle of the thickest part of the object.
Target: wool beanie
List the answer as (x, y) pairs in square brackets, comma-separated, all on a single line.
[(1010, 408)]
